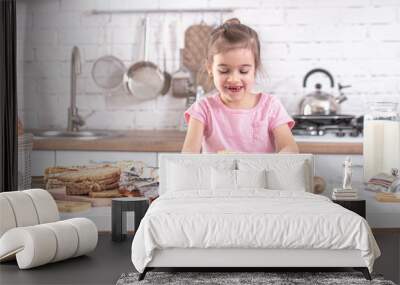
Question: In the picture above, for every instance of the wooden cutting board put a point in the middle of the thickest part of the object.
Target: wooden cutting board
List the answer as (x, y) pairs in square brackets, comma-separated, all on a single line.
[(196, 40), (194, 53), (60, 194), (105, 194), (387, 197), (72, 207)]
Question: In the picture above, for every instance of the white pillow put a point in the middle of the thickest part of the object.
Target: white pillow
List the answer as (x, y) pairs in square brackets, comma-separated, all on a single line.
[(283, 173), (293, 178), (227, 179), (223, 179), (251, 178), (183, 177)]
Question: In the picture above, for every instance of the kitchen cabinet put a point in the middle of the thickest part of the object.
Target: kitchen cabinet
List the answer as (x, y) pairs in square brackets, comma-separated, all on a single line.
[(40, 160), (101, 216)]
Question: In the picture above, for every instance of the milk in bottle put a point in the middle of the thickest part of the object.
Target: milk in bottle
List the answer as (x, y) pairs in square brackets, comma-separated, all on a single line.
[(381, 144)]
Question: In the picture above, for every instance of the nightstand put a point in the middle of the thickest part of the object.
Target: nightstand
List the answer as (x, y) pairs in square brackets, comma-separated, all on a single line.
[(119, 207), (357, 206)]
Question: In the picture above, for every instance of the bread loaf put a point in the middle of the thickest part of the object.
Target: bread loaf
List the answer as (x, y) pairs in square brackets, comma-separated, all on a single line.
[(103, 187), (54, 172), (84, 187), (59, 169), (108, 181), (82, 180), (81, 188), (54, 183), (91, 174)]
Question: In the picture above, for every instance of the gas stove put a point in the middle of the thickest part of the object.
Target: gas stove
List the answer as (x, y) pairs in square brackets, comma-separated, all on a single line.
[(321, 130), (332, 125)]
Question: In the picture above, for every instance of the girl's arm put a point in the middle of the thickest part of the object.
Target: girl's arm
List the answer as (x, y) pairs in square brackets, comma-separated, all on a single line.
[(194, 137), (284, 140)]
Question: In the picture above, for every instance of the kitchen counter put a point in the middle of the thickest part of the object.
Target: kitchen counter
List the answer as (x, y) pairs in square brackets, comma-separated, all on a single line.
[(172, 141), (330, 144)]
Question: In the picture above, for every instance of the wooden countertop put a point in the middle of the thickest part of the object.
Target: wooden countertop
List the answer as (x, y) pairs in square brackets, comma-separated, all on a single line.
[(168, 141), (330, 148)]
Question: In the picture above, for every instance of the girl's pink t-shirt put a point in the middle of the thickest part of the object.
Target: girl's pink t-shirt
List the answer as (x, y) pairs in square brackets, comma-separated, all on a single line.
[(239, 130)]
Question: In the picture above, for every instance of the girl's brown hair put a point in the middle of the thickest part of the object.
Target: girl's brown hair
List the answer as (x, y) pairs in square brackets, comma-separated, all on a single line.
[(230, 35)]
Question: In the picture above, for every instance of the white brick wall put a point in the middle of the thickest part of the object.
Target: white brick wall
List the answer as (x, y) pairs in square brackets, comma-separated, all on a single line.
[(358, 41)]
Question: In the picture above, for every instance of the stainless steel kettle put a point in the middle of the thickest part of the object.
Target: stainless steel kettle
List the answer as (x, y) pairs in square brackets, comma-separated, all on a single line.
[(319, 102)]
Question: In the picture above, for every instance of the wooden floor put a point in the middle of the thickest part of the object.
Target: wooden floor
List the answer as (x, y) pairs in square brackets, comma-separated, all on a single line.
[(102, 266)]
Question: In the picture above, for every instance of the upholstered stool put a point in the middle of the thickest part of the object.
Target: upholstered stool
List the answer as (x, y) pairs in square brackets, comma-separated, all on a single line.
[(31, 232)]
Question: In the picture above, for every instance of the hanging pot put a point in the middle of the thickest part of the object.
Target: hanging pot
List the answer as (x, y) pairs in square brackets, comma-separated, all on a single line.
[(320, 102), (144, 79)]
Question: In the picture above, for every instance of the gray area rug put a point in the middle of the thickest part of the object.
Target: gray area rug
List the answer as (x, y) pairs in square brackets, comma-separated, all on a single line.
[(269, 278)]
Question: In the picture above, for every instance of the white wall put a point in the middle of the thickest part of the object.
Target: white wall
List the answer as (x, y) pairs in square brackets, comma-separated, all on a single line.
[(358, 41)]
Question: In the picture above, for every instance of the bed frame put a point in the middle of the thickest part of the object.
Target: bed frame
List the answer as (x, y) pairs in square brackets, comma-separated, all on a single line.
[(237, 259), (246, 259)]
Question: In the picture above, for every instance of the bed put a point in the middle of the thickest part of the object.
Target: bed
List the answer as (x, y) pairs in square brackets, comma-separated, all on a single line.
[(246, 211)]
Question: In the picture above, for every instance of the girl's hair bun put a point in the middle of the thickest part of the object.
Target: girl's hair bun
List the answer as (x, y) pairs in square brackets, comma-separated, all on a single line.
[(232, 21), (230, 35)]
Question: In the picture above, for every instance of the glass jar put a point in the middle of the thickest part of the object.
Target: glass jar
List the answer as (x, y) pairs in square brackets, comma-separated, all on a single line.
[(381, 143), (395, 186)]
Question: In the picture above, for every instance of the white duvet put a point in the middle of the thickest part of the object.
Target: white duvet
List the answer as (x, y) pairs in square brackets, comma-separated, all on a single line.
[(250, 219)]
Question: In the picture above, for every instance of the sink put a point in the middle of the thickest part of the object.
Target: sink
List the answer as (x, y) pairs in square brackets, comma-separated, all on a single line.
[(80, 135)]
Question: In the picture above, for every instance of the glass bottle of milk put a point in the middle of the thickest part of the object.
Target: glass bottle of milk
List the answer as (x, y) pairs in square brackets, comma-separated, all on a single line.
[(381, 145)]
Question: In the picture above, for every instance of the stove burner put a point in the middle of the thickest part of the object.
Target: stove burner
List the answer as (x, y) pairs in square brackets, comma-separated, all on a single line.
[(340, 133), (355, 133), (340, 130)]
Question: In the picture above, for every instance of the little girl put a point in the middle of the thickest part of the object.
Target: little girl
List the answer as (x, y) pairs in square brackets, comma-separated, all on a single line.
[(235, 119)]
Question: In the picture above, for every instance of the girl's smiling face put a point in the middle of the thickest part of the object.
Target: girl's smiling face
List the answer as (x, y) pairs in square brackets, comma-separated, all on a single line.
[(234, 74)]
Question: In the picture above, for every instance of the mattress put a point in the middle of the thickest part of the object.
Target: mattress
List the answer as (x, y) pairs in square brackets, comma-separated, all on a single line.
[(250, 219)]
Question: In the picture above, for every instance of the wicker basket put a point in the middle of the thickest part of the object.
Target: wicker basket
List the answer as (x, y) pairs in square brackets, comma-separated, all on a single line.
[(25, 143)]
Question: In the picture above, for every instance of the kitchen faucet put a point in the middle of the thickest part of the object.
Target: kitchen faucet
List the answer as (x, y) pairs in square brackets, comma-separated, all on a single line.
[(74, 119)]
